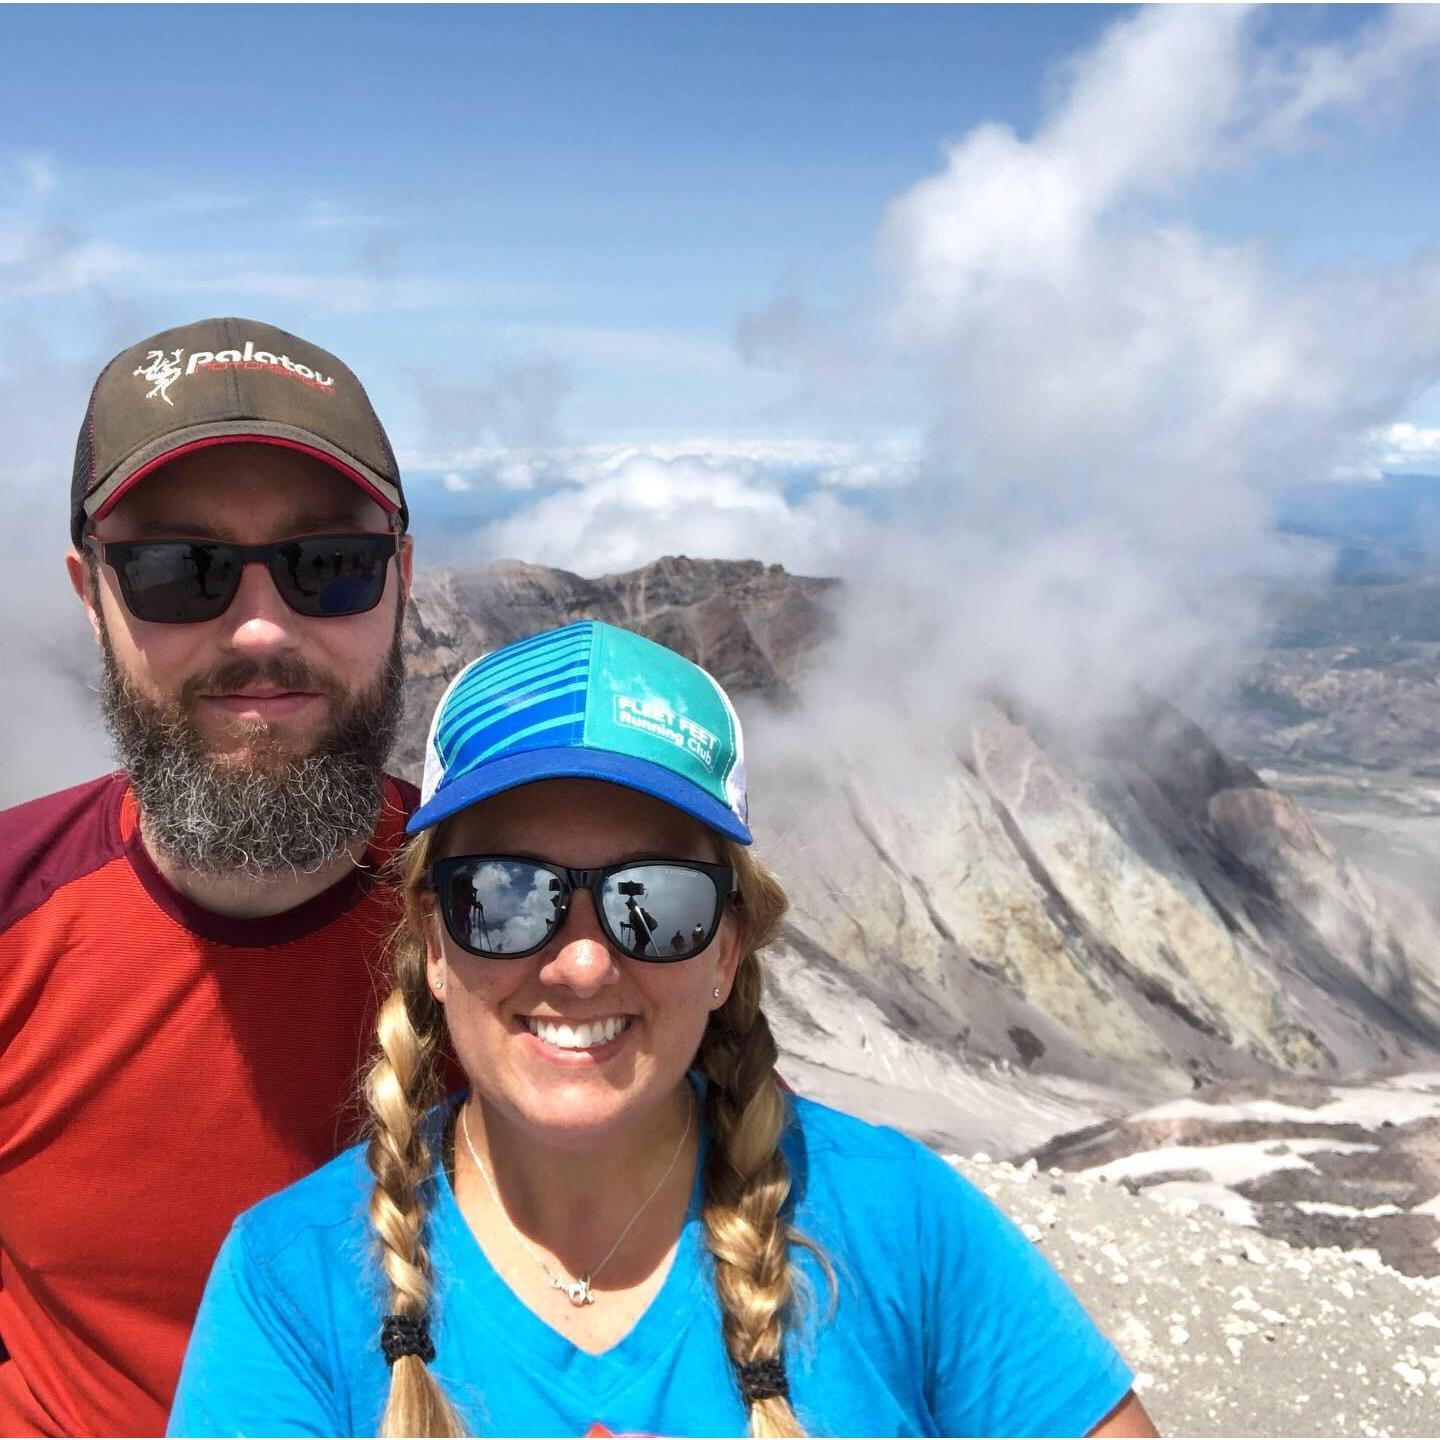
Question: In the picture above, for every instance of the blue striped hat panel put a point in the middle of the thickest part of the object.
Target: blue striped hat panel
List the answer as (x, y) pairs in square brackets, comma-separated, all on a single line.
[(587, 700)]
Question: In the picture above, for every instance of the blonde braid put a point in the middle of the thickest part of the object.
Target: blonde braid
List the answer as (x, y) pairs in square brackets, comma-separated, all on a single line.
[(401, 1086), (747, 1178)]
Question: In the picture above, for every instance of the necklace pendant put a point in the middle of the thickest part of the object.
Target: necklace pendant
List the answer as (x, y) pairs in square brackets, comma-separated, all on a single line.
[(579, 1293)]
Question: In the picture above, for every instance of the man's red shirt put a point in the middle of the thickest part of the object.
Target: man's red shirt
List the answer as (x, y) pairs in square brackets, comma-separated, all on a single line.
[(161, 1069)]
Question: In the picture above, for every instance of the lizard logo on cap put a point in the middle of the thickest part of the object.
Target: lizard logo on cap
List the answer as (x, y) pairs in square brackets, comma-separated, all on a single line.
[(162, 372)]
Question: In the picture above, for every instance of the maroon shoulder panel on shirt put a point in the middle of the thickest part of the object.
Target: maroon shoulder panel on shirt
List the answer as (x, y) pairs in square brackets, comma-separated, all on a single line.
[(47, 843)]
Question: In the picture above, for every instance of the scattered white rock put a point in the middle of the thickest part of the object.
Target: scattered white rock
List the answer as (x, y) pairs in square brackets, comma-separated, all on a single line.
[(1220, 1348)]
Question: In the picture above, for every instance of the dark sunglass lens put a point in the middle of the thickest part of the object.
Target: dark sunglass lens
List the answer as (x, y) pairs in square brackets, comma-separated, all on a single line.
[(661, 912), (177, 581), (332, 575), (502, 907)]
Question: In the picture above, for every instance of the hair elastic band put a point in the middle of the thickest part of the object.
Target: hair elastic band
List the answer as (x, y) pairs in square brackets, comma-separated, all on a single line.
[(763, 1380), (402, 1335)]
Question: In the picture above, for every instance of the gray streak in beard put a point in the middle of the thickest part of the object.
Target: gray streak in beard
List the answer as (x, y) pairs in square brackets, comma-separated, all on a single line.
[(272, 812)]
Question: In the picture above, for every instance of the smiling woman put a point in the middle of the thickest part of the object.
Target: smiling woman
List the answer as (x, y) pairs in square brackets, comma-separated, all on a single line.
[(625, 1223)]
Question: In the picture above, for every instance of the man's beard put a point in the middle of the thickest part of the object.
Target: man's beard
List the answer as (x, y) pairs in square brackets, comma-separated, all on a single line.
[(269, 811)]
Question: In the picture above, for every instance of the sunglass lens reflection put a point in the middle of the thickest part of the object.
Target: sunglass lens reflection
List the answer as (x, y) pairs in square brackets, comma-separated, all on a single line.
[(330, 577), (176, 582), (660, 912), (503, 907)]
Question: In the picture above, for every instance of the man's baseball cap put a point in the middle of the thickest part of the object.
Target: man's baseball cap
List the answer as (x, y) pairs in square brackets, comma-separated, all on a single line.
[(588, 701), (217, 382)]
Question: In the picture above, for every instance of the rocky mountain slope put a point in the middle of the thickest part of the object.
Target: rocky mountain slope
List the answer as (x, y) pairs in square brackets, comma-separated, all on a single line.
[(1230, 1332), (1353, 1166), (997, 935)]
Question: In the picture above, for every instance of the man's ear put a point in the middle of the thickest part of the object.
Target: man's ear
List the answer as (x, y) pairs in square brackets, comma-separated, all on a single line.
[(78, 568), (405, 564)]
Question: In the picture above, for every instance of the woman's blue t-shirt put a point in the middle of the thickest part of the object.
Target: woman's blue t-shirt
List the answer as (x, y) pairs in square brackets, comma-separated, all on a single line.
[(946, 1320)]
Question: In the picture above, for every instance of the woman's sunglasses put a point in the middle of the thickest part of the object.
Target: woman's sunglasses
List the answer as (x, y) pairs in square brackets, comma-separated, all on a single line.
[(179, 582), (500, 906)]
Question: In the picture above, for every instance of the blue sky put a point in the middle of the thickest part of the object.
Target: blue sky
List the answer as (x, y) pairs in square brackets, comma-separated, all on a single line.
[(610, 188), (543, 228)]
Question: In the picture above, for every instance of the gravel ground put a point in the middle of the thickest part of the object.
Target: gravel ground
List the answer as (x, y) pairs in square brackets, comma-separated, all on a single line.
[(1230, 1332)]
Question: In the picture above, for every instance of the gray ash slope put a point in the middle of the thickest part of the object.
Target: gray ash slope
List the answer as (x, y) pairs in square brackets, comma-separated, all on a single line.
[(998, 936)]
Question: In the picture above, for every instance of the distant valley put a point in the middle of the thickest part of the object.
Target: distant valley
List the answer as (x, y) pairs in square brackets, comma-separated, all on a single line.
[(1342, 709)]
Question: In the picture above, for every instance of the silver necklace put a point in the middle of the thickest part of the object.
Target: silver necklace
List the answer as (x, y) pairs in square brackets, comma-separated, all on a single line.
[(578, 1290)]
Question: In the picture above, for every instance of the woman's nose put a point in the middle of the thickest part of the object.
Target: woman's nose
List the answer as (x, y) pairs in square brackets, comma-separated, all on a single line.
[(580, 957)]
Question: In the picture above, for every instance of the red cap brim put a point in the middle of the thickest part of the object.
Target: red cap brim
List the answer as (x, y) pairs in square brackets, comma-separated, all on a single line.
[(354, 476)]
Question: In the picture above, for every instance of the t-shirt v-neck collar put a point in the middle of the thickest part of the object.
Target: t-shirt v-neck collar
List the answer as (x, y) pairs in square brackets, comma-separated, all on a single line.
[(591, 1378)]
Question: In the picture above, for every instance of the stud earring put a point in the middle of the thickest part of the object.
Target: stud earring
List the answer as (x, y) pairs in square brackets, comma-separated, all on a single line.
[(716, 992)]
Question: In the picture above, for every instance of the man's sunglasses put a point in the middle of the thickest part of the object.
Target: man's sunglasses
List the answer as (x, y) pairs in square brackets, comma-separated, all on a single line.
[(179, 582), (502, 907)]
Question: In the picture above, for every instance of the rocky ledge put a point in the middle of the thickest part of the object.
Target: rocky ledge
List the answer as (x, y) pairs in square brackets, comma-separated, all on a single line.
[(1354, 1165)]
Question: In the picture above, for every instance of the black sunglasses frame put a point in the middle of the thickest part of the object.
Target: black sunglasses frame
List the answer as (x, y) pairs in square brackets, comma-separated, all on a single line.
[(117, 554), (721, 876)]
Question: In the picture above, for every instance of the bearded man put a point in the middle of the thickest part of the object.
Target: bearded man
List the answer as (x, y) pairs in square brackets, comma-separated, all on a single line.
[(186, 945)]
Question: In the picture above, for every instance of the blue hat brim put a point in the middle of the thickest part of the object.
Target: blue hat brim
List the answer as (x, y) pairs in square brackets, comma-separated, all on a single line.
[(571, 762)]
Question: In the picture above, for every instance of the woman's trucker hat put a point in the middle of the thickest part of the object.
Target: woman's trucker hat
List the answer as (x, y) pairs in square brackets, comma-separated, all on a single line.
[(588, 701)]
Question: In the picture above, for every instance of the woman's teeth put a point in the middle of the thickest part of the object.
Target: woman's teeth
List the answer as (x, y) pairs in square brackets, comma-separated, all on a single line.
[(577, 1037)]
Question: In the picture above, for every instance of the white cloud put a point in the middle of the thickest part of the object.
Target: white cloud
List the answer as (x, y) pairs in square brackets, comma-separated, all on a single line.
[(1071, 340), (1400, 448), (1173, 93), (1407, 441), (1376, 70), (1108, 394), (641, 507), (841, 465), (50, 734)]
